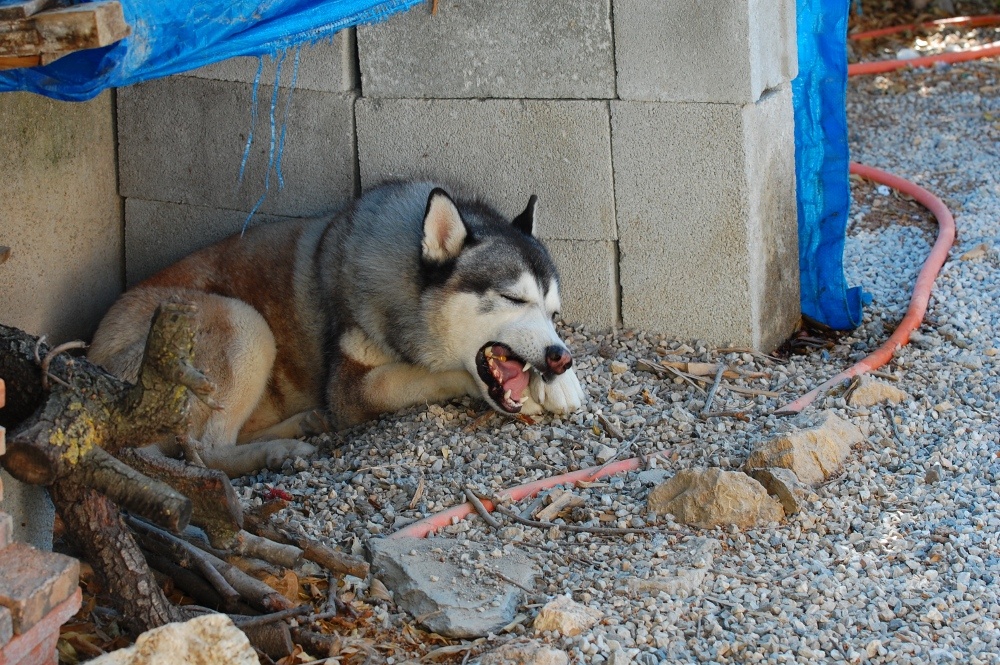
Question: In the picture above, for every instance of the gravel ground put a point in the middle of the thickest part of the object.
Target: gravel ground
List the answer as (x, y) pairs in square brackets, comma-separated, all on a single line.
[(896, 562)]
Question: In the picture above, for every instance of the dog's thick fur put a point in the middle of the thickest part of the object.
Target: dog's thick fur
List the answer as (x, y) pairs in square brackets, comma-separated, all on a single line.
[(404, 297)]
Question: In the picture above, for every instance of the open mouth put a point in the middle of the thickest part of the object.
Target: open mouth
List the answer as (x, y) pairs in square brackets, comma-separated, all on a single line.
[(505, 375)]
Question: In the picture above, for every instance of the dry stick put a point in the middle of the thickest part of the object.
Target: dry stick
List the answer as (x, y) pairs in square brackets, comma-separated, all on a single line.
[(52, 354), (714, 389), (575, 528), (251, 589), (684, 376), (481, 509), (200, 559), (265, 619)]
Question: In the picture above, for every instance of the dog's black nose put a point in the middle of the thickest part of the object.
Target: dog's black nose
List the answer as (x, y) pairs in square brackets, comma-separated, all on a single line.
[(558, 359)]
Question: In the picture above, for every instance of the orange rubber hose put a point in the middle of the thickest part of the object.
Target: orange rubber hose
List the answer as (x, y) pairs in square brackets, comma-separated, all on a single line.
[(957, 21), (880, 66), (426, 526), (921, 292)]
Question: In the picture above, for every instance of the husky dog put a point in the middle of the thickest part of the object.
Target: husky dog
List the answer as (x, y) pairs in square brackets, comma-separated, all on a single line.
[(404, 297)]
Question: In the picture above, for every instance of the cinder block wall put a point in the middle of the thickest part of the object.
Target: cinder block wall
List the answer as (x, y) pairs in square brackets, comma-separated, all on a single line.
[(61, 216), (657, 136)]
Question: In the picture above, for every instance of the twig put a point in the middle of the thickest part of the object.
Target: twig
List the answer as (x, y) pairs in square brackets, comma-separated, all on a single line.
[(199, 558), (507, 579), (553, 550), (434, 7), (714, 389), (481, 509), (419, 492), (334, 603), (189, 447), (265, 619), (575, 528), (748, 391), (738, 415), (682, 375)]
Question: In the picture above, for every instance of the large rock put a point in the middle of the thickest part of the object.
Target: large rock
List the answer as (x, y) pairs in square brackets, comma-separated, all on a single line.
[(456, 589), (205, 640), (870, 391), (712, 497), (814, 451), (525, 652), (565, 616), (785, 486)]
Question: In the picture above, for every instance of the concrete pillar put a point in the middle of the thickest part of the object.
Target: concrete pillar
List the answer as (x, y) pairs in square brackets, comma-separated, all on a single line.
[(704, 168), (61, 216)]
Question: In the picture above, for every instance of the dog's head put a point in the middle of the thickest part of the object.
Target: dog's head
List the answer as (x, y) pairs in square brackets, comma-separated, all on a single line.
[(495, 299)]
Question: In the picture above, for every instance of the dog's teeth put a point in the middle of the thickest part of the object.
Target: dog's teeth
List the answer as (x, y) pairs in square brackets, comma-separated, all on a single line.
[(506, 396), (526, 367), (488, 352)]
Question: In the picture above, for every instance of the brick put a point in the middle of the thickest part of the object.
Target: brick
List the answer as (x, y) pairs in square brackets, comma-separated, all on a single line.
[(327, 66), (707, 222), (728, 51), (33, 582), (158, 234), (38, 645), (504, 151), (476, 49), (181, 140), (588, 274), (6, 529)]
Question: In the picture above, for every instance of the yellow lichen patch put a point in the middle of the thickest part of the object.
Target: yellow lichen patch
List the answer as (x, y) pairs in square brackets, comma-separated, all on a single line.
[(78, 437)]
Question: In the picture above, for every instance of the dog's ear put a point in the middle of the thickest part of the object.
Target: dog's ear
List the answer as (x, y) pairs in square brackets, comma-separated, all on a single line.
[(444, 230), (525, 222)]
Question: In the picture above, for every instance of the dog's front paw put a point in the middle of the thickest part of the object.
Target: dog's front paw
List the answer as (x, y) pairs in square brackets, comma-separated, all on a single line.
[(279, 451), (563, 394)]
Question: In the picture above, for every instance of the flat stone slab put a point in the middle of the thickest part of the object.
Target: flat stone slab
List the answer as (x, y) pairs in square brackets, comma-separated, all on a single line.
[(453, 588)]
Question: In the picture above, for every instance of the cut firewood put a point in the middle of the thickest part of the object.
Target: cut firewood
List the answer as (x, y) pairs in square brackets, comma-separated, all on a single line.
[(45, 36)]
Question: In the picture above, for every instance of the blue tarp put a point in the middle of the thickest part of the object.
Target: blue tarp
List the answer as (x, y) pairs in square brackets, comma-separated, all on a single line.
[(172, 36), (821, 163)]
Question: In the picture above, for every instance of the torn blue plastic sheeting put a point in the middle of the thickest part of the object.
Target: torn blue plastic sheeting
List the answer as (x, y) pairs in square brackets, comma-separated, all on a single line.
[(819, 95), (173, 36)]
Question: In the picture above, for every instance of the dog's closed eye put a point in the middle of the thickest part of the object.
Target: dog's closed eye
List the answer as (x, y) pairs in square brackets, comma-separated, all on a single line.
[(514, 299)]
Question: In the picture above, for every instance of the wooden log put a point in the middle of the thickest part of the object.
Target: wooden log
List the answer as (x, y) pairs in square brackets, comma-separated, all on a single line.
[(52, 34)]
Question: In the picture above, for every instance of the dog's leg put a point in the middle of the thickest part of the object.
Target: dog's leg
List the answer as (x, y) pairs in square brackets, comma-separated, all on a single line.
[(305, 424)]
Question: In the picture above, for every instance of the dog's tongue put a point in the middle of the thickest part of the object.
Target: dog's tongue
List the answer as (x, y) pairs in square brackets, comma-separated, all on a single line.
[(513, 378)]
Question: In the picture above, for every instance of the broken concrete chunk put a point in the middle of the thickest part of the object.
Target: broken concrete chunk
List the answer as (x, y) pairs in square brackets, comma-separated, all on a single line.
[(785, 485), (713, 497), (33, 582), (565, 616), (870, 391), (814, 451), (449, 586), (525, 652), (212, 638)]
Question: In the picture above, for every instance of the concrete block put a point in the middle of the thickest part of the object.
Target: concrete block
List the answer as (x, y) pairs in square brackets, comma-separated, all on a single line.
[(705, 195), (181, 140), (6, 530), (504, 151), (477, 48), (588, 274), (327, 66), (30, 508), (158, 234), (61, 215), (6, 626), (32, 583), (729, 51)]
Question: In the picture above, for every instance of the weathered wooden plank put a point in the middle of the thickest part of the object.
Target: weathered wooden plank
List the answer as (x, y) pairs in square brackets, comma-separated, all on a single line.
[(22, 8), (49, 35)]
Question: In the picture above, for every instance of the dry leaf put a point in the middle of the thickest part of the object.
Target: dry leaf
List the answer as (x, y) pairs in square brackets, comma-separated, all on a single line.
[(287, 586), (977, 252), (378, 591)]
